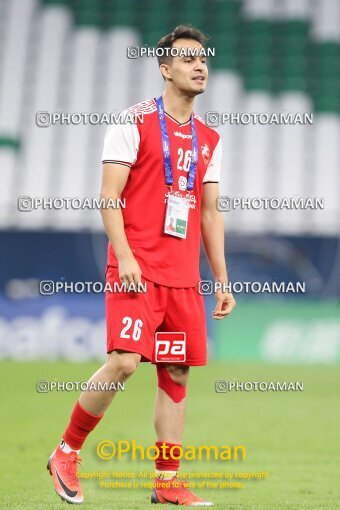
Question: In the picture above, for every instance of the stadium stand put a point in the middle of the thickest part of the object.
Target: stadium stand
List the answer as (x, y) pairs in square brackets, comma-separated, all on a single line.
[(70, 56)]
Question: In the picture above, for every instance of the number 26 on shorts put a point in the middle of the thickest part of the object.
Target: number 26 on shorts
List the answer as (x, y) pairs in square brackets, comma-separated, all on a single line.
[(136, 329)]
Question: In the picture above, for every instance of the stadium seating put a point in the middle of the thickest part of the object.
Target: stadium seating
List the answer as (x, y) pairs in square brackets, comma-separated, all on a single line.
[(70, 56)]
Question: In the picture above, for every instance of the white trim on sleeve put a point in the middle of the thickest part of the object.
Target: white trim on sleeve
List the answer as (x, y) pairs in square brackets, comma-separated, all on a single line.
[(213, 172), (121, 144)]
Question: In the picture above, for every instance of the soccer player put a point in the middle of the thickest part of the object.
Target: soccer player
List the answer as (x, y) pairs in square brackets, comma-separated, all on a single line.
[(166, 167)]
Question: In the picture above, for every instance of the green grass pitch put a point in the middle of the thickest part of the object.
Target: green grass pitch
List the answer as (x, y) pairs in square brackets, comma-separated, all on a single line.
[(293, 436)]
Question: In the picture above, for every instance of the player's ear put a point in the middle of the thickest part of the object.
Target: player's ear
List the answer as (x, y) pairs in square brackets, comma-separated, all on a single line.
[(165, 71)]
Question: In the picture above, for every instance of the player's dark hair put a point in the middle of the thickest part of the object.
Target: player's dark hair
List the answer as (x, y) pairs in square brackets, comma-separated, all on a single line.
[(180, 32)]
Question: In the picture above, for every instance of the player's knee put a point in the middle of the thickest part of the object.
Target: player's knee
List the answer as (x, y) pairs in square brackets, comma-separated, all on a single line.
[(179, 374), (173, 382), (126, 366), (123, 365)]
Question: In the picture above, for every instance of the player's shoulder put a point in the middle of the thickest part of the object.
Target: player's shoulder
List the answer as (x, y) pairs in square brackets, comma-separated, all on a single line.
[(208, 131), (144, 107)]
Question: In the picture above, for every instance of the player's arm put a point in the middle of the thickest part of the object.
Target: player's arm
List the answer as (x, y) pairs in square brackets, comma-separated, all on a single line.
[(113, 182), (212, 230), (121, 145)]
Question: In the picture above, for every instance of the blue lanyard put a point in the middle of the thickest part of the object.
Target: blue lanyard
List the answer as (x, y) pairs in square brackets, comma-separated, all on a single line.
[(166, 148)]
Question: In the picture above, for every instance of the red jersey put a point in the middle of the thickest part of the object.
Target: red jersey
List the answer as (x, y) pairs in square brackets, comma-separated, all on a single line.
[(163, 258)]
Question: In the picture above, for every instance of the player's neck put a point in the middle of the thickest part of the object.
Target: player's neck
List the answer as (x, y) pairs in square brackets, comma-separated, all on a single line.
[(178, 105)]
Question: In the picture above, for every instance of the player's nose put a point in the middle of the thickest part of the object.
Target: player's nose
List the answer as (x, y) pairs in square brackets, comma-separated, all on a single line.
[(199, 67)]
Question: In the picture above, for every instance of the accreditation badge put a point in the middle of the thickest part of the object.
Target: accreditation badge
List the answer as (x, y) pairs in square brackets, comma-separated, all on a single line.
[(176, 216)]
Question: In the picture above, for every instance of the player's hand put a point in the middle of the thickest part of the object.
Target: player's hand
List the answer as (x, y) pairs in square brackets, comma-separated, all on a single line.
[(225, 303), (130, 272)]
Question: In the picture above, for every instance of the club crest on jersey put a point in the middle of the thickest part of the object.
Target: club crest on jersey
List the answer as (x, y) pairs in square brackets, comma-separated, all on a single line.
[(205, 153)]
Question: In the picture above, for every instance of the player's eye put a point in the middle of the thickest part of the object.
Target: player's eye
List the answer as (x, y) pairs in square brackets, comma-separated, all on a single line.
[(188, 60)]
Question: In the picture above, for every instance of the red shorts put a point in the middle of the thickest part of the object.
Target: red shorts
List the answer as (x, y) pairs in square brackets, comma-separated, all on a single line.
[(133, 318)]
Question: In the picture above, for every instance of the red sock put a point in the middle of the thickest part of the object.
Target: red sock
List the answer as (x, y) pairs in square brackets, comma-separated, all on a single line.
[(81, 424), (165, 462)]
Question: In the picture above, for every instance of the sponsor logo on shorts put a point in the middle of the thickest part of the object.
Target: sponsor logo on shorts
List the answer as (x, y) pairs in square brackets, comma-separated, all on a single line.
[(170, 347)]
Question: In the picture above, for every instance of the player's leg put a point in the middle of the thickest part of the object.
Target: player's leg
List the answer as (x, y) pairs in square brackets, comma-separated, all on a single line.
[(119, 366), (185, 313), (85, 416), (169, 425), (130, 322), (169, 417), (170, 402)]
